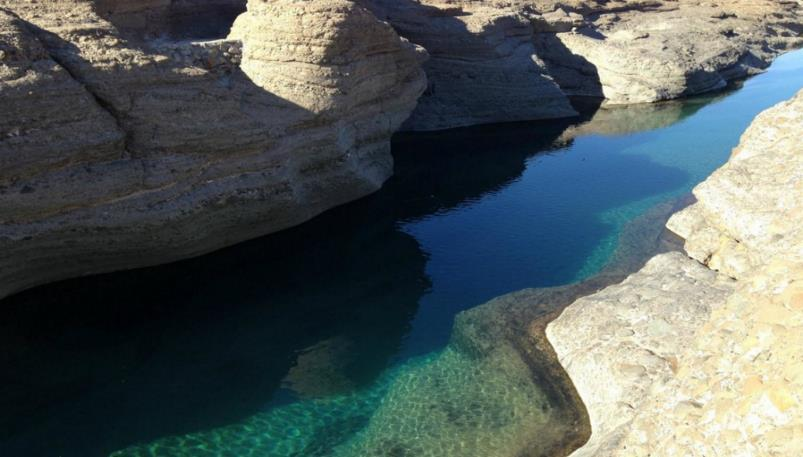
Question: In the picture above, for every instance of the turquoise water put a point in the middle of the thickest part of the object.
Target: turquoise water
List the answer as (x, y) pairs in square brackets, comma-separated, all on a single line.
[(333, 338)]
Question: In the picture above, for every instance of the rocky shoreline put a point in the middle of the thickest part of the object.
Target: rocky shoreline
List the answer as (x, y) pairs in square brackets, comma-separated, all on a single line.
[(131, 136), (700, 354), (140, 133)]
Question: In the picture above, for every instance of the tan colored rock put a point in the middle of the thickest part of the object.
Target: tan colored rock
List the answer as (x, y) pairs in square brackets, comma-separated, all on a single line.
[(727, 383), (620, 342), (749, 211), (496, 61), (116, 155), (743, 376), (672, 49), (482, 67)]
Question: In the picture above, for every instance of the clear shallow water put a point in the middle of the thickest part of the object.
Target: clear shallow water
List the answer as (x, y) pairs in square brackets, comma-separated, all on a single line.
[(331, 338)]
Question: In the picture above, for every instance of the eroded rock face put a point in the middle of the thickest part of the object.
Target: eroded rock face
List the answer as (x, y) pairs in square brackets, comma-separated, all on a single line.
[(749, 212), (116, 155), (616, 344), (739, 388), (641, 52), (483, 67), (680, 360), (498, 61)]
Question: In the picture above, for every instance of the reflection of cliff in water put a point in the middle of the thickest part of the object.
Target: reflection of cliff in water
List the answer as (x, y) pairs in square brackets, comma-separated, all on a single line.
[(316, 312), (318, 309), (628, 119), (132, 356)]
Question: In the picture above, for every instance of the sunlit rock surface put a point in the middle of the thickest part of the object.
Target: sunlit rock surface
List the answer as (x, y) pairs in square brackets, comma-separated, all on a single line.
[(749, 212), (680, 360), (739, 389), (116, 154), (650, 51), (495, 61), (618, 343)]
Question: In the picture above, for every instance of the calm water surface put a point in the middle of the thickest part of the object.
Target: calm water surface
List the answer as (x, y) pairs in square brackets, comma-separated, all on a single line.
[(328, 339)]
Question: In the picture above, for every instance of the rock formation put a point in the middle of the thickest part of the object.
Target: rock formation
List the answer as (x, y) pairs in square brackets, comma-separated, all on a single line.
[(141, 132), (494, 61), (482, 67), (684, 360), (116, 155), (649, 51)]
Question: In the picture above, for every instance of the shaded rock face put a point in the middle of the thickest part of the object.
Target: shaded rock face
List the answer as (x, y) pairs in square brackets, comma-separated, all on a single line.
[(178, 19), (684, 360), (482, 69), (496, 61), (115, 155), (637, 52)]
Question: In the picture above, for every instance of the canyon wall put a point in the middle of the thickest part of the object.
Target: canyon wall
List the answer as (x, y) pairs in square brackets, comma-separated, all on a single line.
[(701, 355), (117, 155), (496, 61), (142, 132)]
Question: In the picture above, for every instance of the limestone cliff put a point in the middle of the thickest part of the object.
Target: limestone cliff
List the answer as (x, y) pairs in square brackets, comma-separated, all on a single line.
[(483, 67), (116, 154), (684, 360), (495, 61), (635, 52)]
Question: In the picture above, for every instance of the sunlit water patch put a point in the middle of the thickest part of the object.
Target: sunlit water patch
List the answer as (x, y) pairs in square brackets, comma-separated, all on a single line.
[(333, 338)]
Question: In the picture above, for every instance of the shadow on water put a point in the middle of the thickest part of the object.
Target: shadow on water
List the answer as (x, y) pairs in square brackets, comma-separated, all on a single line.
[(97, 363), (322, 310)]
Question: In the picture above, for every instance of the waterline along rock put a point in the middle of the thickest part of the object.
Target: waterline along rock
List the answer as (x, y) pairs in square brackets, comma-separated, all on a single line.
[(115, 154), (135, 133), (681, 359), (637, 52)]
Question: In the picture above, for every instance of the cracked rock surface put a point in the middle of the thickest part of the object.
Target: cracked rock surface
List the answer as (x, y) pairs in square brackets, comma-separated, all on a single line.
[(683, 360), (117, 155), (142, 132), (495, 60)]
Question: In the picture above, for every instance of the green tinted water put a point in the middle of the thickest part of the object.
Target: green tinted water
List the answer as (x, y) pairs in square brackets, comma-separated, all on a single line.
[(336, 338)]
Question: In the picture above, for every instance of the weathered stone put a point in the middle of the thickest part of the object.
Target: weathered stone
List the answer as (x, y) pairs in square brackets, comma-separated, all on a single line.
[(669, 52), (115, 156), (661, 307), (749, 211), (721, 358), (482, 66)]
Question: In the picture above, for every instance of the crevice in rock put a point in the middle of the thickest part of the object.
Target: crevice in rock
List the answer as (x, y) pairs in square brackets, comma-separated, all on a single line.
[(104, 104)]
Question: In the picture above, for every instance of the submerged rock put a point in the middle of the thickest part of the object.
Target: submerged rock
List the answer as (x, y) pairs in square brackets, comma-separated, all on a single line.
[(680, 360)]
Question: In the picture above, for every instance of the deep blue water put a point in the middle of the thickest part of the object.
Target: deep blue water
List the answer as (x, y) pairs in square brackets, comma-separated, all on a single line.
[(293, 342)]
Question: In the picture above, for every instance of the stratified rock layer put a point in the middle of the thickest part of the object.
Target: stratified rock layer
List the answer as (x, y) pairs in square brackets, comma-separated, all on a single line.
[(636, 52), (495, 61), (115, 155), (680, 360), (482, 67)]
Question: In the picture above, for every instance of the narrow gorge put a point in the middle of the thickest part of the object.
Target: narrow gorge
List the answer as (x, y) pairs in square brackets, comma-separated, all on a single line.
[(401, 228)]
